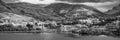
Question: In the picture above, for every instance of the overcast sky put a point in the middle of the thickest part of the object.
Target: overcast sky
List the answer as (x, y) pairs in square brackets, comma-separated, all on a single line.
[(100, 6), (31, 1)]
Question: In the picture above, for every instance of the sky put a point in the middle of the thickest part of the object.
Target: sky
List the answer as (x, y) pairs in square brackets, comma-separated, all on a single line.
[(100, 6), (32, 1)]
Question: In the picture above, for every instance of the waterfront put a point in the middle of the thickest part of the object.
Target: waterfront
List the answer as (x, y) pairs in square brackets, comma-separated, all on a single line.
[(50, 36)]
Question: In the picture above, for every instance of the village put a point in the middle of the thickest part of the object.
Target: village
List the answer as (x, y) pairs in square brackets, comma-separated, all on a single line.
[(52, 25), (93, 26)]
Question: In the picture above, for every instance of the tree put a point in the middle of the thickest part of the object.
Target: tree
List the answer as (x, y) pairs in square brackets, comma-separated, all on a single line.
[(30, 26)]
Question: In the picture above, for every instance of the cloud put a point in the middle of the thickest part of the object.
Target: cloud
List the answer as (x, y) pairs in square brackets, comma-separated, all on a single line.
[(37, 1), (103, 6)]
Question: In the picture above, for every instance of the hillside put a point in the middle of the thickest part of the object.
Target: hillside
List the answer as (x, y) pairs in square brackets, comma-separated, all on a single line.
[(55, 11), (30, 10), (75, 11), (114, 11)]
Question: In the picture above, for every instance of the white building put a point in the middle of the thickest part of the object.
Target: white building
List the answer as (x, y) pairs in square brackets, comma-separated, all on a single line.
[(68, 28), (90, 20)]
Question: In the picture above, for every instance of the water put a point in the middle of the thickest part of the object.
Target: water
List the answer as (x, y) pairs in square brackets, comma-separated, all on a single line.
[(49, 36)]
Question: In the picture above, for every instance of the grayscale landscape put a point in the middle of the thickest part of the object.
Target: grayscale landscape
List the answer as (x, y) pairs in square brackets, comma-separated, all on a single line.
[(59, 19)]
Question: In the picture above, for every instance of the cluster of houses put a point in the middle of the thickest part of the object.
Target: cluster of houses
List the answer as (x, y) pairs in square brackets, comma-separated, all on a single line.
[(34, 24), (20, 21), (83, 25), (90, 20)]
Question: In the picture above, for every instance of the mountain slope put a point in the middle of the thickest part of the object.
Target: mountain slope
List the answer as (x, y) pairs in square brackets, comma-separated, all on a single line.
[(30, 10), (2, 7), (55, 11), (14, 17), (114, 11), (75, 11)]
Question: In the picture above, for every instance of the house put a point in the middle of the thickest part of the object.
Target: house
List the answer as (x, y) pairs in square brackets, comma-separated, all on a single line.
[(40, 24), (81, 26), (90, 20), (68, 28)]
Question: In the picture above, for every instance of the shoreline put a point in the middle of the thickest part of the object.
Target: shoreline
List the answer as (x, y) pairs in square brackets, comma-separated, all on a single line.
[(51, 32), (21, 32)]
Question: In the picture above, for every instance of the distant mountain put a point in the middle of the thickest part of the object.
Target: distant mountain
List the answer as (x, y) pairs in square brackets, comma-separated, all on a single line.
[(75, 11), (114, 11)]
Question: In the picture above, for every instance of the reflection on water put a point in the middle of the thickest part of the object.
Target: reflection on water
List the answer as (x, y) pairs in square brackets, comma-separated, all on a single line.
[(49, 36)]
